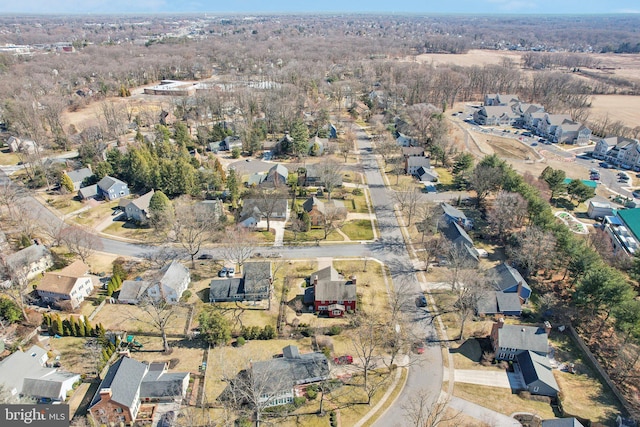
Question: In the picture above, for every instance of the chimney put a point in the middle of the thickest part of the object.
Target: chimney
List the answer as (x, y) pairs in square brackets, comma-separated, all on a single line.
[(315, 280), (105, 394), (353, 279), (547, 327), (89, 167), (500, 322)]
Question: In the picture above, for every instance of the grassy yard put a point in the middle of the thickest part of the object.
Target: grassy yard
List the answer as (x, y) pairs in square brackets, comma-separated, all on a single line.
[(74, 356), (7, 157), (95, 215), (131, 231), (186, 356), (371, 286), (125, 317), (315, 234), (501, 400), (358, 230), (65, 203)]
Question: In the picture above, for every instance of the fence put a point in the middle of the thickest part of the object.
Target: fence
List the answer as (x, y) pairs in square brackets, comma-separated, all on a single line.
[(601, 371)]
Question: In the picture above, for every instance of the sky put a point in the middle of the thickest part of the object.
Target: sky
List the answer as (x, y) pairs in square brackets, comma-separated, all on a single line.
[(320, 6)]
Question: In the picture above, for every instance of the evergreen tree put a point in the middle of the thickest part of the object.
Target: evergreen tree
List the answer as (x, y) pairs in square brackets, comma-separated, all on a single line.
[(300, 136), (66, 182), (232, 186), (73, 327), (88, 329), (58, 329), (181, 134), (102, 169)]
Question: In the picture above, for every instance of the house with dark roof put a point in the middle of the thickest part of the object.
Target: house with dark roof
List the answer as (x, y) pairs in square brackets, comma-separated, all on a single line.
[(132, 291), (254, 285), (412, 152), (281, 379), (89, 192), (330, 293), (460, 241), (111, 188), (230, 142), (537, 373), (128, 383), (30, 261), (313, 176), (318, 209), (451, 214), (137, 209), (562, 422), (510, 291), (252, 211), (424, 174), (79, 177), (73, 283), (24, 373), (508, 341)]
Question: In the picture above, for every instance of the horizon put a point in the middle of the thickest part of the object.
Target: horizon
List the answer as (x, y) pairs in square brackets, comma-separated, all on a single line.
[(328, 7)]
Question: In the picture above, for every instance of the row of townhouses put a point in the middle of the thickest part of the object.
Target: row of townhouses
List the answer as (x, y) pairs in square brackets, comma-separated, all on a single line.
[(508, 110), (619, 151)]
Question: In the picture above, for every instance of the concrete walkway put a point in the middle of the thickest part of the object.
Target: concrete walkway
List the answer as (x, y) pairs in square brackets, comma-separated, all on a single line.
[(481, 377), (483, 414)]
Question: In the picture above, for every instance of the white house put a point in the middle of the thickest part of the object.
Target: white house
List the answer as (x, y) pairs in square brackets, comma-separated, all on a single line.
[(174, 281), (72, 283), (31, 261)]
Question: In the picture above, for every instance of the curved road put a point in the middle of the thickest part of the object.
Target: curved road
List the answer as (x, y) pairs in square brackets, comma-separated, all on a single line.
[(424, 375)]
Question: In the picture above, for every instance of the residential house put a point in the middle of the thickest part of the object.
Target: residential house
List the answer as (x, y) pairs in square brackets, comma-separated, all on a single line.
[(405, 141), (451, 214), (283, 378), (623, 152), (89, 192), (501, 115), (460, 242), (317, 145), (110, 188), (212, 206), (79, 177), (510, 291), (137, 209), (317, 209), (253, 211), (313, 176), (508, 341), (25, 373), (526, 111), (21, 145), (230, 142), (254, 285), (128, 383), (413, 163), (500, 100), (333, 131), (132, 291), (572, 133), (426, 175), (30, 261), (623, 230), (330, 293), (174, 280), (73, 283), (277, 175), (537, 373), (412, 151), (532, 119), (562, 422), (548, 125)]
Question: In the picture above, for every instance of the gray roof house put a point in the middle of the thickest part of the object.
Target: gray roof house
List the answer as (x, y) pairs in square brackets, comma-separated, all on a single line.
[(251, 211), (562, 422), (452, 214), (78, 176), (312, 176), (330, 293), (497, 302), (425, 174), (230, 142), (137, 209), (255, 285), (510, 340), (413, 163), (510, 292), (213, 206), (281, 376), (460, 240), (128, 383), (174, 280), (537, 374), (24, 373), (30, 261), (132, 291), (111, 188), (89, 192)]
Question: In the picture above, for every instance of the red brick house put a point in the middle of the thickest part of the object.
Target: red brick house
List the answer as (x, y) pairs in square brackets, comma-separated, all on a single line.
[(330, 293), (318, 209)]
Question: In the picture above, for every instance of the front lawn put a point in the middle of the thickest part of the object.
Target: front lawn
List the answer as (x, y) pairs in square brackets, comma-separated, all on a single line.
[(358, 230)]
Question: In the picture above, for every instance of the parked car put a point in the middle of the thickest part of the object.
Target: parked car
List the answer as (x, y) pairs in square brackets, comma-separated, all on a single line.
[(421, 301), (636, 194), (205, 256), (231, 271), (535, 144), (223, 272), (604, 165), (418, 347), (343, 360)]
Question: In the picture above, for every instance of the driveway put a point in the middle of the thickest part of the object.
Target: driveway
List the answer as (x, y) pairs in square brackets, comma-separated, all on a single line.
[(483, 414)]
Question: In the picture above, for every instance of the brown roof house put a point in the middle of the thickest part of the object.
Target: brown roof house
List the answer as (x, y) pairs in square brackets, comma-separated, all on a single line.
[(73, 283), (128, 383), (318, 210)]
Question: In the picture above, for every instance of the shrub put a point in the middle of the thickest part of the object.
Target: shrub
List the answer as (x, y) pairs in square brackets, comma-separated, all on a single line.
[(299, 401), (334, 330), (524, 394), (357, 192), (240, 341), (186, 295), (311, 394)]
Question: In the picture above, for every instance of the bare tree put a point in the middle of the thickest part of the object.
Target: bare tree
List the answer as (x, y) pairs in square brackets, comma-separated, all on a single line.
[(473, 288), (407, 199), (429, 214), (533, 249), (485, 180), (81, 241), (507, 212), (330, 175), (157, 313), (17, 290), (423, 410), (238, 245), (332, 219), (267, 200), (387, 148), (367, 342), (162, 256), (193, 226), (9, 195)]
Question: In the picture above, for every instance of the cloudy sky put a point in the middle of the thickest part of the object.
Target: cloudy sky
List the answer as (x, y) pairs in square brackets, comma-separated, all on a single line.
[(309, 6)]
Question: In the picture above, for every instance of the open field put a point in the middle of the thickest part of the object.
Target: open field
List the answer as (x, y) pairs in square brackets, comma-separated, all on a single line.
[(618, 107), (74, 356), (125, 317)]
